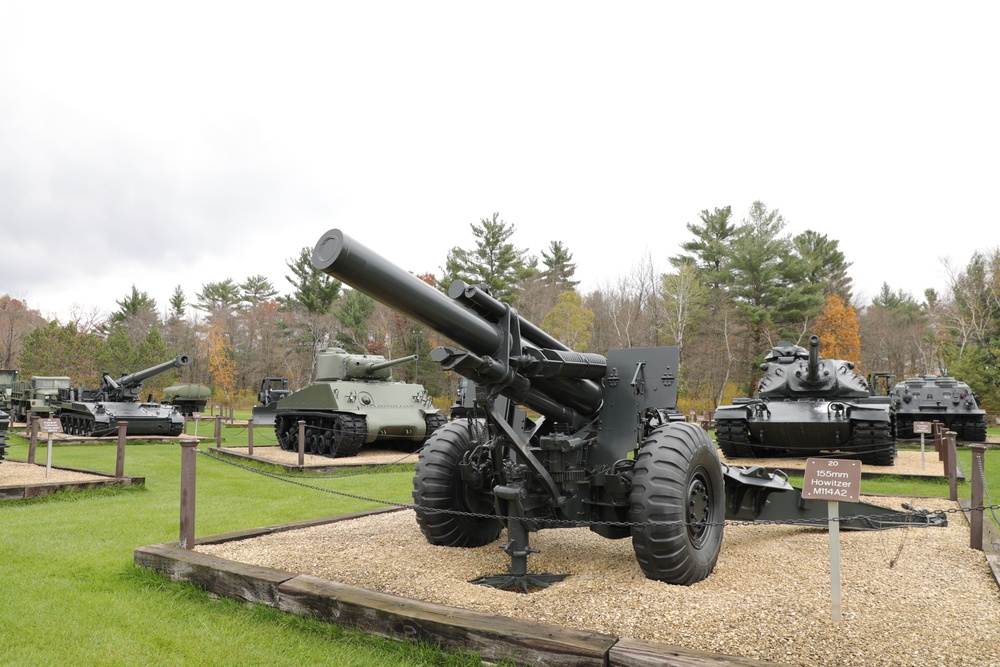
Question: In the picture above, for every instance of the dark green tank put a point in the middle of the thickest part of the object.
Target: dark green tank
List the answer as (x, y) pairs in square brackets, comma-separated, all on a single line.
[(808, 406)]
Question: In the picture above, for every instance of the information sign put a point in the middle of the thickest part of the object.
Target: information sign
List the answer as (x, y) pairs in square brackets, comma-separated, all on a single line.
[(923, 427), (50, 426), (835, 480)]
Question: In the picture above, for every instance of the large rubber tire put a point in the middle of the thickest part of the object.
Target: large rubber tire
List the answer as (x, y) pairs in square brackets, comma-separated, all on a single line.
[(438, 485), (677, 478)]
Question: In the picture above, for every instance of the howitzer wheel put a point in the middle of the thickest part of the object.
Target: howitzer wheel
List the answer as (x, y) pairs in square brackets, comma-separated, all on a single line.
[(438, 485), (677, 480)]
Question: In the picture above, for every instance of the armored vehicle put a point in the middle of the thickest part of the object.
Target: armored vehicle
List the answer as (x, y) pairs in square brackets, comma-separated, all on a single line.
[(805, 406), (96, 412), (189, 398), (354, 402), (272, 390), (937, 398), (7, 379), (37, 396), (569, 439)]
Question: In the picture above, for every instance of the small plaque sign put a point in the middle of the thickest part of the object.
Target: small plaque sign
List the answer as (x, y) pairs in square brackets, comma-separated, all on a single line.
[(50, 426), (836, 480), (923, 427)]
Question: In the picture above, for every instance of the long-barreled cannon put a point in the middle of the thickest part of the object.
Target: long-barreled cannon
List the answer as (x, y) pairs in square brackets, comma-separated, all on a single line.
[(489, 355), (130, 385)]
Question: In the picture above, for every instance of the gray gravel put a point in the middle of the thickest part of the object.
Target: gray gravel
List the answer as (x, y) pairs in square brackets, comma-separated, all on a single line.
[(13, 473), (916, 596)]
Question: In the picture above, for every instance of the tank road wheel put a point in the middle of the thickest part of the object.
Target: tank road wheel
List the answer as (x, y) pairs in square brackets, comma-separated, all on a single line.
[(436, 421), (734, 439), (677, 478), (438, 485), (874, 443), (348, 435), (904, 427)]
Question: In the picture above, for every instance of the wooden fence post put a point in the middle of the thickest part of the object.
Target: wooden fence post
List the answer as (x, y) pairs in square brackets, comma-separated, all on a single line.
[(33, 437), (976, 499), (302, 442), (951, 465), (250, 437), (188, 480), (120, 457), (218, 429)]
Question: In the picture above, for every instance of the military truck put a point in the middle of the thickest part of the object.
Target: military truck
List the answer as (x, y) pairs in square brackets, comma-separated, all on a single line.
[(7, 379), (37, 396)]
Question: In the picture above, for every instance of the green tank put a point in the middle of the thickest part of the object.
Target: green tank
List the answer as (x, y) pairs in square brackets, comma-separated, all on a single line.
[(189, 398), (354, 402)]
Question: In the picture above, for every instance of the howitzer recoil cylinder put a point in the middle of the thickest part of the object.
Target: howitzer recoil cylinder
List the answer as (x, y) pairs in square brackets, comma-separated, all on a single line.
[(564, 387)]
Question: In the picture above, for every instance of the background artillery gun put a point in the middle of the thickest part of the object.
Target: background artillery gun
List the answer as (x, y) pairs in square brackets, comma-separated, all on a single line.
[(603, 453), (96, 412)]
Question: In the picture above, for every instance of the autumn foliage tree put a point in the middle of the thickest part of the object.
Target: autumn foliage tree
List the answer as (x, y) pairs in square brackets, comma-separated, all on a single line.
[(838, 330)]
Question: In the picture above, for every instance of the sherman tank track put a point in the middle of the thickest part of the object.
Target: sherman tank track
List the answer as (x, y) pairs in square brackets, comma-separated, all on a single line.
[(734, 439), (333, 435)]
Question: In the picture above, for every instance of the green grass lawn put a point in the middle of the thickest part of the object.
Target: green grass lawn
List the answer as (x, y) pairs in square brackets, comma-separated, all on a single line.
[(71, 594)]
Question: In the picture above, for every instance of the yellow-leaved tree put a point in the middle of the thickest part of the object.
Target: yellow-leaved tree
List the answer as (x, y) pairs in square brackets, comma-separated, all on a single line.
[(221, 365), (838, 330)]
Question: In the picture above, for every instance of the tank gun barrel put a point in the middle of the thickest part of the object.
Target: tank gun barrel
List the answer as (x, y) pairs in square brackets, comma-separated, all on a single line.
[(478, 322), (812, 375), (376, 366)]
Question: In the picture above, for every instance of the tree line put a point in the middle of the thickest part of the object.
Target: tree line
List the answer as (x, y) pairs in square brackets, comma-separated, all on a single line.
[(732, 291)]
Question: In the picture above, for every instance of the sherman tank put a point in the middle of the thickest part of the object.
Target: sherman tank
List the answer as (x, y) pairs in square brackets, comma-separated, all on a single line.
[(805, 406), (354, 402), (96, 412), (938, 398)]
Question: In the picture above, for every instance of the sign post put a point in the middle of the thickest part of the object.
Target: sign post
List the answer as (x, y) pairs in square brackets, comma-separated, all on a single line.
[(50, 426), (922, 428), (835, 481)]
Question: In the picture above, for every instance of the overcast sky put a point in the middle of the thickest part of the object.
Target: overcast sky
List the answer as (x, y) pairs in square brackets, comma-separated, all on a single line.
[(181, 143)]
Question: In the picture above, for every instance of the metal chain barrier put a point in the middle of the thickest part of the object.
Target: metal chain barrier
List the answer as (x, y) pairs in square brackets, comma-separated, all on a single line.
[(286, 477)]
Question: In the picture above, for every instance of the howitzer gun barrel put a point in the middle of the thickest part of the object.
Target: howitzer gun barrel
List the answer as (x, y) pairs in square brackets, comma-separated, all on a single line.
[(365, 270), (137, 378)]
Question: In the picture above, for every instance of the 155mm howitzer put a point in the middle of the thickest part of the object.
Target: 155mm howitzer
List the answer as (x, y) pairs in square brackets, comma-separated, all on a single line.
[(604, 452), (97, 412)]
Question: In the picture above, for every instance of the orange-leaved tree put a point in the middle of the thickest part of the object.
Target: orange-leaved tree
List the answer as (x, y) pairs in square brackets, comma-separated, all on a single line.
[(837, 328)]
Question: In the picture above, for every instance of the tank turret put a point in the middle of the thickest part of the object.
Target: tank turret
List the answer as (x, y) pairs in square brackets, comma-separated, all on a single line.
[(791, 370), (335, 363)]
